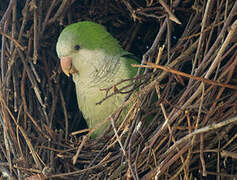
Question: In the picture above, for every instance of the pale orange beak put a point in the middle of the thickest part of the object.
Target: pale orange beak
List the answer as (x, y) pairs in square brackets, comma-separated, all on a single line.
[(66, 65)]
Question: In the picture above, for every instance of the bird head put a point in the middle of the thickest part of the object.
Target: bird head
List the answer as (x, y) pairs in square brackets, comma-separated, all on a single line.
[(84, 35)]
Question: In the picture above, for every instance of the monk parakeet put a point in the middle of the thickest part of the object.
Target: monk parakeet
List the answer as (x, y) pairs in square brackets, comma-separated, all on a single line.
[(96, 61)]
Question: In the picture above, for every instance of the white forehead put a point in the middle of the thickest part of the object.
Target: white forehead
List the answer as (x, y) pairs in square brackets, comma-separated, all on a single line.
[(65, 43)]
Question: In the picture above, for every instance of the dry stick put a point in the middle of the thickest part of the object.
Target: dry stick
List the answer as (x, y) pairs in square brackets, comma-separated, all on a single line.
[(6, 120), (171, 14), (92, 162), (175, 113), (23, 97), (217, 18), (128, 141), (224, 74), (204, 171), (221, 51), (33, 152), (37, 77), (125, 127), (150, 52), (3, 169), (136, 158), (30, 170), (146, 56), (13, 56), (14, 79), (168, 38), (117, 136), (75, 157), (219, 38), (3, 59), (8, 149), (34, 84), (203, 24), (83, 171), (230, 50), (201, 138), (59, 11), (39, 11), (166, 117), (47, 16), (35, 51), (13, 35), (19, 155), (179, 59), (129, 138), (152, 65), (222, 175), (128, 158), (129, 8), (31, 77), (13, 40), (15, 94), (164, 165), (37, 126), (132, 133), (53, 105), (229, 154), (117, 91), (230, 141), (7, 12), (123, 150), (205, 129), (65, 114), (192, 144), (163, 74), (141, 12), (199, 33), (183, 165), (228, 39), (218, 160)]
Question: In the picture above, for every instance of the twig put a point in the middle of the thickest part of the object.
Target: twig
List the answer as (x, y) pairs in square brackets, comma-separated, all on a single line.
[(33, 152), (204, 172), (35, 53), (7, 12), (152, 65), (47, 16), (203, 24), (12, 39), (117, 136), (171, 15), (65, 113), (220, 36), (74, 159), (214, 126)]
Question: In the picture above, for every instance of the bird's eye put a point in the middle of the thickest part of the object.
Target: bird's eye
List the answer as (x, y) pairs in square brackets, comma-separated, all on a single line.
[(77, 47)]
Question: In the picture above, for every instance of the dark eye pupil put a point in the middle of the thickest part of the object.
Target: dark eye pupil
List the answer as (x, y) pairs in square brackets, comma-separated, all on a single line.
[(76, 47)]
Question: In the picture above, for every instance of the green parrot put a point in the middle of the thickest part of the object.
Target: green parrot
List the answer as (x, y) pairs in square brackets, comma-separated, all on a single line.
[(96, 61)]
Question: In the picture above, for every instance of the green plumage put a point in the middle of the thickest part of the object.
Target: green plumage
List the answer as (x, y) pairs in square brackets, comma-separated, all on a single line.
[(100, 63)]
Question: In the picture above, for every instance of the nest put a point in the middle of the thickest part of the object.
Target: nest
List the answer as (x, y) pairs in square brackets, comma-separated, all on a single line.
[(188, 62)]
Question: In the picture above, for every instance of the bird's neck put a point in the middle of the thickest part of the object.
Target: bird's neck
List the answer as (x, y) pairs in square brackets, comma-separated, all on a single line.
[(96, 68)]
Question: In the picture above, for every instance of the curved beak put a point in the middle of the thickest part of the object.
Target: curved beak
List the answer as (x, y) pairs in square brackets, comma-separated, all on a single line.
[(66, 65)]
